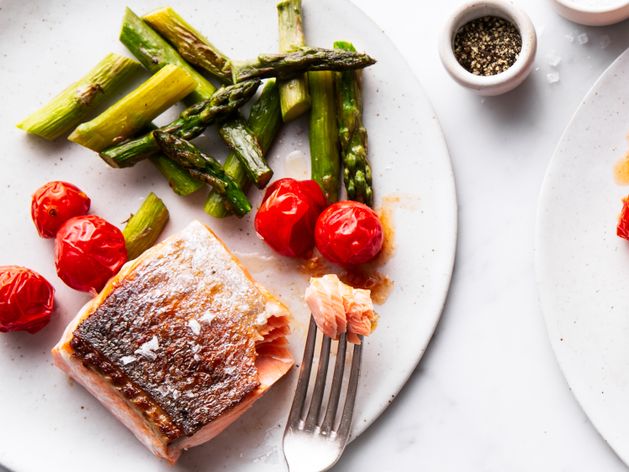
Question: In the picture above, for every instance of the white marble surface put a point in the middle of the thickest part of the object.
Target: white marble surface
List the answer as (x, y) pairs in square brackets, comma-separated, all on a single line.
[(488, 395)]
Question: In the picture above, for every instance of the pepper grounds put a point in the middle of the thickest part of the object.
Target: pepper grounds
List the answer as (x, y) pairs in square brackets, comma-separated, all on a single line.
[(487, 45)]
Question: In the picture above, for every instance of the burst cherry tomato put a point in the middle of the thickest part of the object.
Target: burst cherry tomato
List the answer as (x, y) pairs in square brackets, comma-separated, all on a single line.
[(622, 229), (54, 203), (26, 300), (349, 233), (287, 216), (88, 252)]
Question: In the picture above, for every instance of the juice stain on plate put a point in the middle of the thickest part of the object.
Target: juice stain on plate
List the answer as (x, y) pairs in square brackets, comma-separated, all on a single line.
[(621, 170), (296, 165), (370, 275), (363, 276)]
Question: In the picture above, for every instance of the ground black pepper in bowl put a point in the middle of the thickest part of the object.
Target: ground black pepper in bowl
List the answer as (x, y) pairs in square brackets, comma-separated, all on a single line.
[(487, 45)]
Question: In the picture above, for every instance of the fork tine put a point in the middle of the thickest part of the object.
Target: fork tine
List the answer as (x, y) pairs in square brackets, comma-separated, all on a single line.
[(348, 409), (317, 393), (335, 389), (297, 409)]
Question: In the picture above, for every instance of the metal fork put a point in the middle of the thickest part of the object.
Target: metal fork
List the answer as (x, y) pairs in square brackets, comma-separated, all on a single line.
[(312, 441)]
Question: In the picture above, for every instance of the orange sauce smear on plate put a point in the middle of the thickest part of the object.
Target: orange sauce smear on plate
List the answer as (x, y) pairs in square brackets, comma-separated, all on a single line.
[(621, 169), (367, 275)]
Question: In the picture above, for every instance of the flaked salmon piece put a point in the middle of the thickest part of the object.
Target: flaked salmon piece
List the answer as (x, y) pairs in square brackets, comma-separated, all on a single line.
[(361, 319), (179, 344), (325, 300), (338, 308)]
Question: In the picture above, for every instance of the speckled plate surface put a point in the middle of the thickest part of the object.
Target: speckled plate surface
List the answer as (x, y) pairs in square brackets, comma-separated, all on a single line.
[(582, 267), (49, 423)]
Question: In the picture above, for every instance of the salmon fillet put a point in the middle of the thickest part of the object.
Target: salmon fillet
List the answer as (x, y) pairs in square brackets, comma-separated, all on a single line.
[(179, 343)]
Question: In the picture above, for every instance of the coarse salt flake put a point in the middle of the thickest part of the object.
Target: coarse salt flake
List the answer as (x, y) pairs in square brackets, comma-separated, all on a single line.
[(148, 349), (582, 38), (553, 59), (127, 360), (552, 77), (208, 316), (194, 326)]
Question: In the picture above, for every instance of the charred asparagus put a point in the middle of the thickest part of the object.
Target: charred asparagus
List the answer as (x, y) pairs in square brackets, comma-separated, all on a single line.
[(303, 59), (190, 124), (265, 120), (205, 168), (352, 134)]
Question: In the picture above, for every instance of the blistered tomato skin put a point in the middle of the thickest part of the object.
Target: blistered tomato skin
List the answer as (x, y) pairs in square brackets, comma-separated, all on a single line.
[(287, 216), (349, 233), (26, 300), (622, 229), (55, 203), (88, 252)]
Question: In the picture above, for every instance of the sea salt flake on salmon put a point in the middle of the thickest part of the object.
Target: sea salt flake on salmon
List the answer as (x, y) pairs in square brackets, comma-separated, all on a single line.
[(179, 344)]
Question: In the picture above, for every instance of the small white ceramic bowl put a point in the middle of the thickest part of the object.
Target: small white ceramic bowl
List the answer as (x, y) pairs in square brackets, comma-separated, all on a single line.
[(504, 81), (591, 13)]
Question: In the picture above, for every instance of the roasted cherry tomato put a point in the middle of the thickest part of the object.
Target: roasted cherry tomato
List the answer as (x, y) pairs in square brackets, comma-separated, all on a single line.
[(349, 233), (55, 203), (622, 229), (88, 252), (287, 216), (26, 300)]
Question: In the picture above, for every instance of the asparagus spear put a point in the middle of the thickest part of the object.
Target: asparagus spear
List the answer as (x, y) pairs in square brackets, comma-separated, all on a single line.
[(154, 53), (178, 177), (203, 167), (352, 134), (190, 124), (134, 111), (143, 228), (265, 120), (303, 59), (191, 44), (294, 97), (74, 104), (241, 140), (324, 155)]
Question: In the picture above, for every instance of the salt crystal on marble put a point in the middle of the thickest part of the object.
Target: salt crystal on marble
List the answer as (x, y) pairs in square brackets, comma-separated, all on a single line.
[(127, 360), (553, 60), (605, 41), (194, 326), (570, 38), (552, 77), (582, 39)]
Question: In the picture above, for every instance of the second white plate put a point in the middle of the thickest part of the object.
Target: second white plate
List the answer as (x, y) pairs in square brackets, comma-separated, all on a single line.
[(582, 266)]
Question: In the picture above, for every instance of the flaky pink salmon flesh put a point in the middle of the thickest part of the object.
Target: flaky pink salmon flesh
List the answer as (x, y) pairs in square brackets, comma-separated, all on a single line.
[(179, 343), (339, 308)]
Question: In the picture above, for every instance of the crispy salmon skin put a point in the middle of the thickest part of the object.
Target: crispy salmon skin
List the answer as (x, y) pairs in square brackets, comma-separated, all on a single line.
[(178, 344)]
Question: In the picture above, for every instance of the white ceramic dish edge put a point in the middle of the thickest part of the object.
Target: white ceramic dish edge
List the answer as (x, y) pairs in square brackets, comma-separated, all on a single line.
[(554, 336)]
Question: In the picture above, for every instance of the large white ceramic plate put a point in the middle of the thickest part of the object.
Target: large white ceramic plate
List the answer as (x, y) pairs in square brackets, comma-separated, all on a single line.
[(582, 267), (50, 423)]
